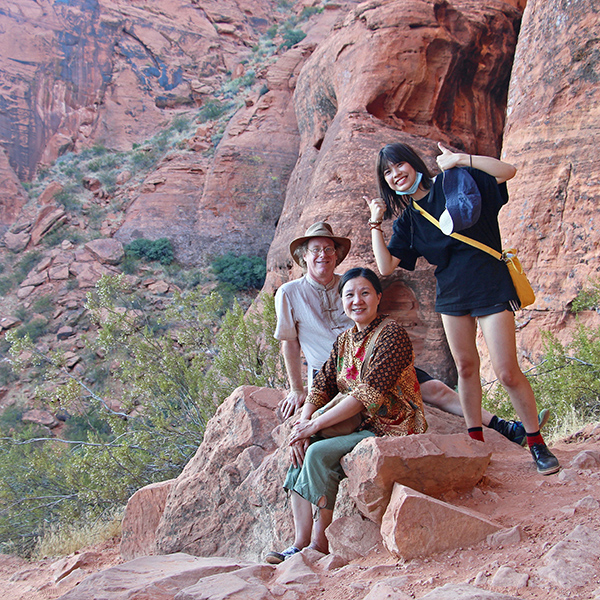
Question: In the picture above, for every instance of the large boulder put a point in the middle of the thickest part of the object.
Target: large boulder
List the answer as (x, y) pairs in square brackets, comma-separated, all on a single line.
[(429, 463), (417, 525)]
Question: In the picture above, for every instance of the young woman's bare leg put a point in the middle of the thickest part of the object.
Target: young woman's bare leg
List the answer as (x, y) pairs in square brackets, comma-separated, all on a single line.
[(460, 333), (499, 334)]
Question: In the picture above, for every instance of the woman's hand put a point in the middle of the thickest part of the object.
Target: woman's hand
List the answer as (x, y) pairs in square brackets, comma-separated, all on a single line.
[(492, 166), (298, 452), (377, 208), (447, 159), (302, 430)]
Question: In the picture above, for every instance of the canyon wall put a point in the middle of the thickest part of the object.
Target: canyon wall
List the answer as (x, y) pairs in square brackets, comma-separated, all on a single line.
[(552, 133), (302, 144), (417, 72)]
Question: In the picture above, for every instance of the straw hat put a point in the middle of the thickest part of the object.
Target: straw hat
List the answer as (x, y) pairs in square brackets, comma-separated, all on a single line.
[(322, 229)]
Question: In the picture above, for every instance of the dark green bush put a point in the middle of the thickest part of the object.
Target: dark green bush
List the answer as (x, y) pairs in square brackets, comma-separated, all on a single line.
[(34, 329), (6, 285), (292, 37), (43, 304), (25, 265), (241, 271), (160, 250), (7, 375), (213, 110)]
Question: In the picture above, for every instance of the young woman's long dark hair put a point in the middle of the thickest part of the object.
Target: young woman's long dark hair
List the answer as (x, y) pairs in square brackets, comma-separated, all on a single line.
[(394, 154)]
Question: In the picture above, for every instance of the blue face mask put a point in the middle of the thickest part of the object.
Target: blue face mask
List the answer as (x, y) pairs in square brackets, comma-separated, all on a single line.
[(414, 187)]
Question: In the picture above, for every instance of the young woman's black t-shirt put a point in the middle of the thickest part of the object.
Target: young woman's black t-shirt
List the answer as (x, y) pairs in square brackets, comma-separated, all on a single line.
[(467, 278)]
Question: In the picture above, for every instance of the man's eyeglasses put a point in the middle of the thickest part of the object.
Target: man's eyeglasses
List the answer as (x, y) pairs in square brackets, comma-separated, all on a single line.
[(328, 251)]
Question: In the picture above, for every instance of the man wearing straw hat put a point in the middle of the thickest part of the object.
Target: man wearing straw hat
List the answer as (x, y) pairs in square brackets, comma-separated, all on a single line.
[(310, 316)]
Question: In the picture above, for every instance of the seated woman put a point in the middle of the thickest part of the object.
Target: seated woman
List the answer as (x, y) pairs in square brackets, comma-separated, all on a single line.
[(373, 363)]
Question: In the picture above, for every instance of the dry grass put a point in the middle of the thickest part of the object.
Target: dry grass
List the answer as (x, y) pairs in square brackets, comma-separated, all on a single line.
[(72, 538)]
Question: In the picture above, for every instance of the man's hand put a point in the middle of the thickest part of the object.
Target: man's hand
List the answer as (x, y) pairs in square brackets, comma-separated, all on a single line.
[(292, 402)]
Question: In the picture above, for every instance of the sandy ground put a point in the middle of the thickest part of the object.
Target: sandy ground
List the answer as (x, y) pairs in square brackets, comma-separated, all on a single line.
[(511, 493)]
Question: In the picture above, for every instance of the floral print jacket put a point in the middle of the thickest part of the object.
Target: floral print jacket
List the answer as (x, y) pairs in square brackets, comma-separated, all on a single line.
[(389, 389)]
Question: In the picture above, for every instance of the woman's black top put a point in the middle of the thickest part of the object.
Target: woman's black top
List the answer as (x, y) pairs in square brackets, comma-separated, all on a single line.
[(467, 278)]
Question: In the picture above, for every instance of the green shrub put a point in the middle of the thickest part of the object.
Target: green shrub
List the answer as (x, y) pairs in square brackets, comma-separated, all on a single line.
[(143, 159), (309, 11), (24, 266), (34, 330), (588, 298), (213, 110), (241, 271), (10, 418), (566, 380), (171, 379), (7, 375), (43, 304), (160, 250), (6, 285), (68, 198), (292, 37)]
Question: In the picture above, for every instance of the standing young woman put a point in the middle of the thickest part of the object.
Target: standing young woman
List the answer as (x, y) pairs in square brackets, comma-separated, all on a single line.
[(471, 285)]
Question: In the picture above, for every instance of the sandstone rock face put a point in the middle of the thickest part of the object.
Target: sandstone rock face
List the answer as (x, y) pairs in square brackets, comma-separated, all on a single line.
[(105, 89), (233, 484), (572, 562), (142, 516), (12, 197), (139, 577), (429, 463), (551, 135), (417, 525), (393, 71)]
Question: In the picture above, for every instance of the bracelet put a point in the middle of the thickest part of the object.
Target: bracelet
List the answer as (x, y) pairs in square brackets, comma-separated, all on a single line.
[(375, 225)]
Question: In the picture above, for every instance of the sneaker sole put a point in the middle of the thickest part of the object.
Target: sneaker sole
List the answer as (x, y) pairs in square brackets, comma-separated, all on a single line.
[(273, 559), (544, 416), (549, 471)]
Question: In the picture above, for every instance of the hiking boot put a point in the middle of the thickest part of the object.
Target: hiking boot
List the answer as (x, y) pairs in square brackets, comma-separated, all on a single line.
[(545, 461), (514, 430), (274, 558)]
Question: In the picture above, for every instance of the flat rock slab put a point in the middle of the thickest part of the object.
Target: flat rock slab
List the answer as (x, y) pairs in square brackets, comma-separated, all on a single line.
[(155, 577), (573, 562), (464, 592), (244, 584), (428, 463), (417, 525)]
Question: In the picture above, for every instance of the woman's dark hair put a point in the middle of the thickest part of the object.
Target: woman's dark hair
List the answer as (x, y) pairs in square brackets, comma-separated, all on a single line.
[(360, 272), (394, 154)]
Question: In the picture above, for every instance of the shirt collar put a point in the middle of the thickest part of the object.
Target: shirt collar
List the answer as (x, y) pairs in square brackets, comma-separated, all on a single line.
[(332, 284), (359, 336)]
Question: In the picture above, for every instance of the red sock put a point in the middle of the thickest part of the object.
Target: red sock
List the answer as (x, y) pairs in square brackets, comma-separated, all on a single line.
[(535, 438), (476, 433)]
